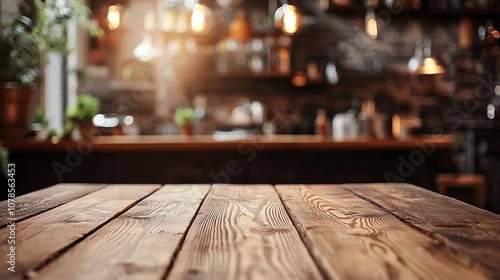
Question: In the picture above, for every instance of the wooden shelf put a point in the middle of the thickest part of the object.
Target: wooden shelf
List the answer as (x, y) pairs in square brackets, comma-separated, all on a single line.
[(132, 85), (233, 76)]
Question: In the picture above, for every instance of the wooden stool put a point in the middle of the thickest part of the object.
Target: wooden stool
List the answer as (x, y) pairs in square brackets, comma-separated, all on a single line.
[(472, 181)]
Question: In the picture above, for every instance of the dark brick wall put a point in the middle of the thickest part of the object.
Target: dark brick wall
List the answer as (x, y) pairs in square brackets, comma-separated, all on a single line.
[(374, 69)]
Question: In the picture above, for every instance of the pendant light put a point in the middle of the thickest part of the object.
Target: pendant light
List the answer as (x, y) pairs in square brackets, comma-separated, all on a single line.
[(371, 25), (288, 18), (199, 16), (145, 51), (429, 65), (113, 17)]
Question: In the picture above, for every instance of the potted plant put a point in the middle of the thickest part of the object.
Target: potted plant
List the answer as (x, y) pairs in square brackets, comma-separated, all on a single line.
[(4, 160), (87, 106), (40, 125), (184, 118), (33, 33), (18, 75)]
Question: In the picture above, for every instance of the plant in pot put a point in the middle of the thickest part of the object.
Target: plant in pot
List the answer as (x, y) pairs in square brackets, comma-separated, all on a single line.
[(4, 160), (184, 118), (87, 106), (34, 32), (39, 126)]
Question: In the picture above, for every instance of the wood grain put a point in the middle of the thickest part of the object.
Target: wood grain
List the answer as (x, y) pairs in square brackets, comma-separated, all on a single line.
[(351, 238), (243, 232), (151, 231), (42, 200), (41, 237), (467, 229)]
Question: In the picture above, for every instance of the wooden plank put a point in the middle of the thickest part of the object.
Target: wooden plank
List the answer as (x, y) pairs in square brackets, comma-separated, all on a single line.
[(42, 200), (41, 237), (243, 232), (467, 229), (351, 238), (139, 244)]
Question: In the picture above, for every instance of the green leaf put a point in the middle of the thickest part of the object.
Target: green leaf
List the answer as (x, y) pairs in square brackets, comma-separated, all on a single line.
[(87, 106), (4, 159), (184, 116), (28, 44)]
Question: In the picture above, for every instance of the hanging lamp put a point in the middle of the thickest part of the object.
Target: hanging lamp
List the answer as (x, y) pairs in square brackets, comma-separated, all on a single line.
[(428, 65), (288, 19)]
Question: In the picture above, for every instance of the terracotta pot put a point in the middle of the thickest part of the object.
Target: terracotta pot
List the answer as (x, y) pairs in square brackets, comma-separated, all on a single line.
[(15, 102), (187, 129), (86, 129)]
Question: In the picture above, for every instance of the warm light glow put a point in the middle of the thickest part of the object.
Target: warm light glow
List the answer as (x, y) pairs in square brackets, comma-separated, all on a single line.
[(145, 51), (113, 17), (371, 27), (291, 19), (430, 67), (199, 21), (288, 19), (299, 79), (423, 63), (396, 126)]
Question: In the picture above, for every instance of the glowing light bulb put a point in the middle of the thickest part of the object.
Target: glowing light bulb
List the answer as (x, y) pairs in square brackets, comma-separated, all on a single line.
[(299, 79), (431, 67), (371, 27), (113, 17), (145, 51), (288, 19), (291, 19), (199, 20)]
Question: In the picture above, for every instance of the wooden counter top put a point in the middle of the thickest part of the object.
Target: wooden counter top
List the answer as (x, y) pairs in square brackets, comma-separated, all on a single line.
[(228, 231), (200, 143)]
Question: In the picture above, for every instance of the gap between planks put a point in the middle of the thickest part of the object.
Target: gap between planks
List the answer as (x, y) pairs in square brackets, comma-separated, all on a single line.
[(309, 247), (303, 238), (183, 266), (20, 201), (409, 224), (32, 273), (333, 274), (382, 208), (442, 239), (162, 217), (183, 238)]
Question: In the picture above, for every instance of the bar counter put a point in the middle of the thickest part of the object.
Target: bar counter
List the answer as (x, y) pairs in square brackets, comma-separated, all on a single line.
[(207, 142), (280, 159)]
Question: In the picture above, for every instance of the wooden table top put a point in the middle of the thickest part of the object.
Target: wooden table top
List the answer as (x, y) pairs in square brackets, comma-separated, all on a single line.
[(371, 231)]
